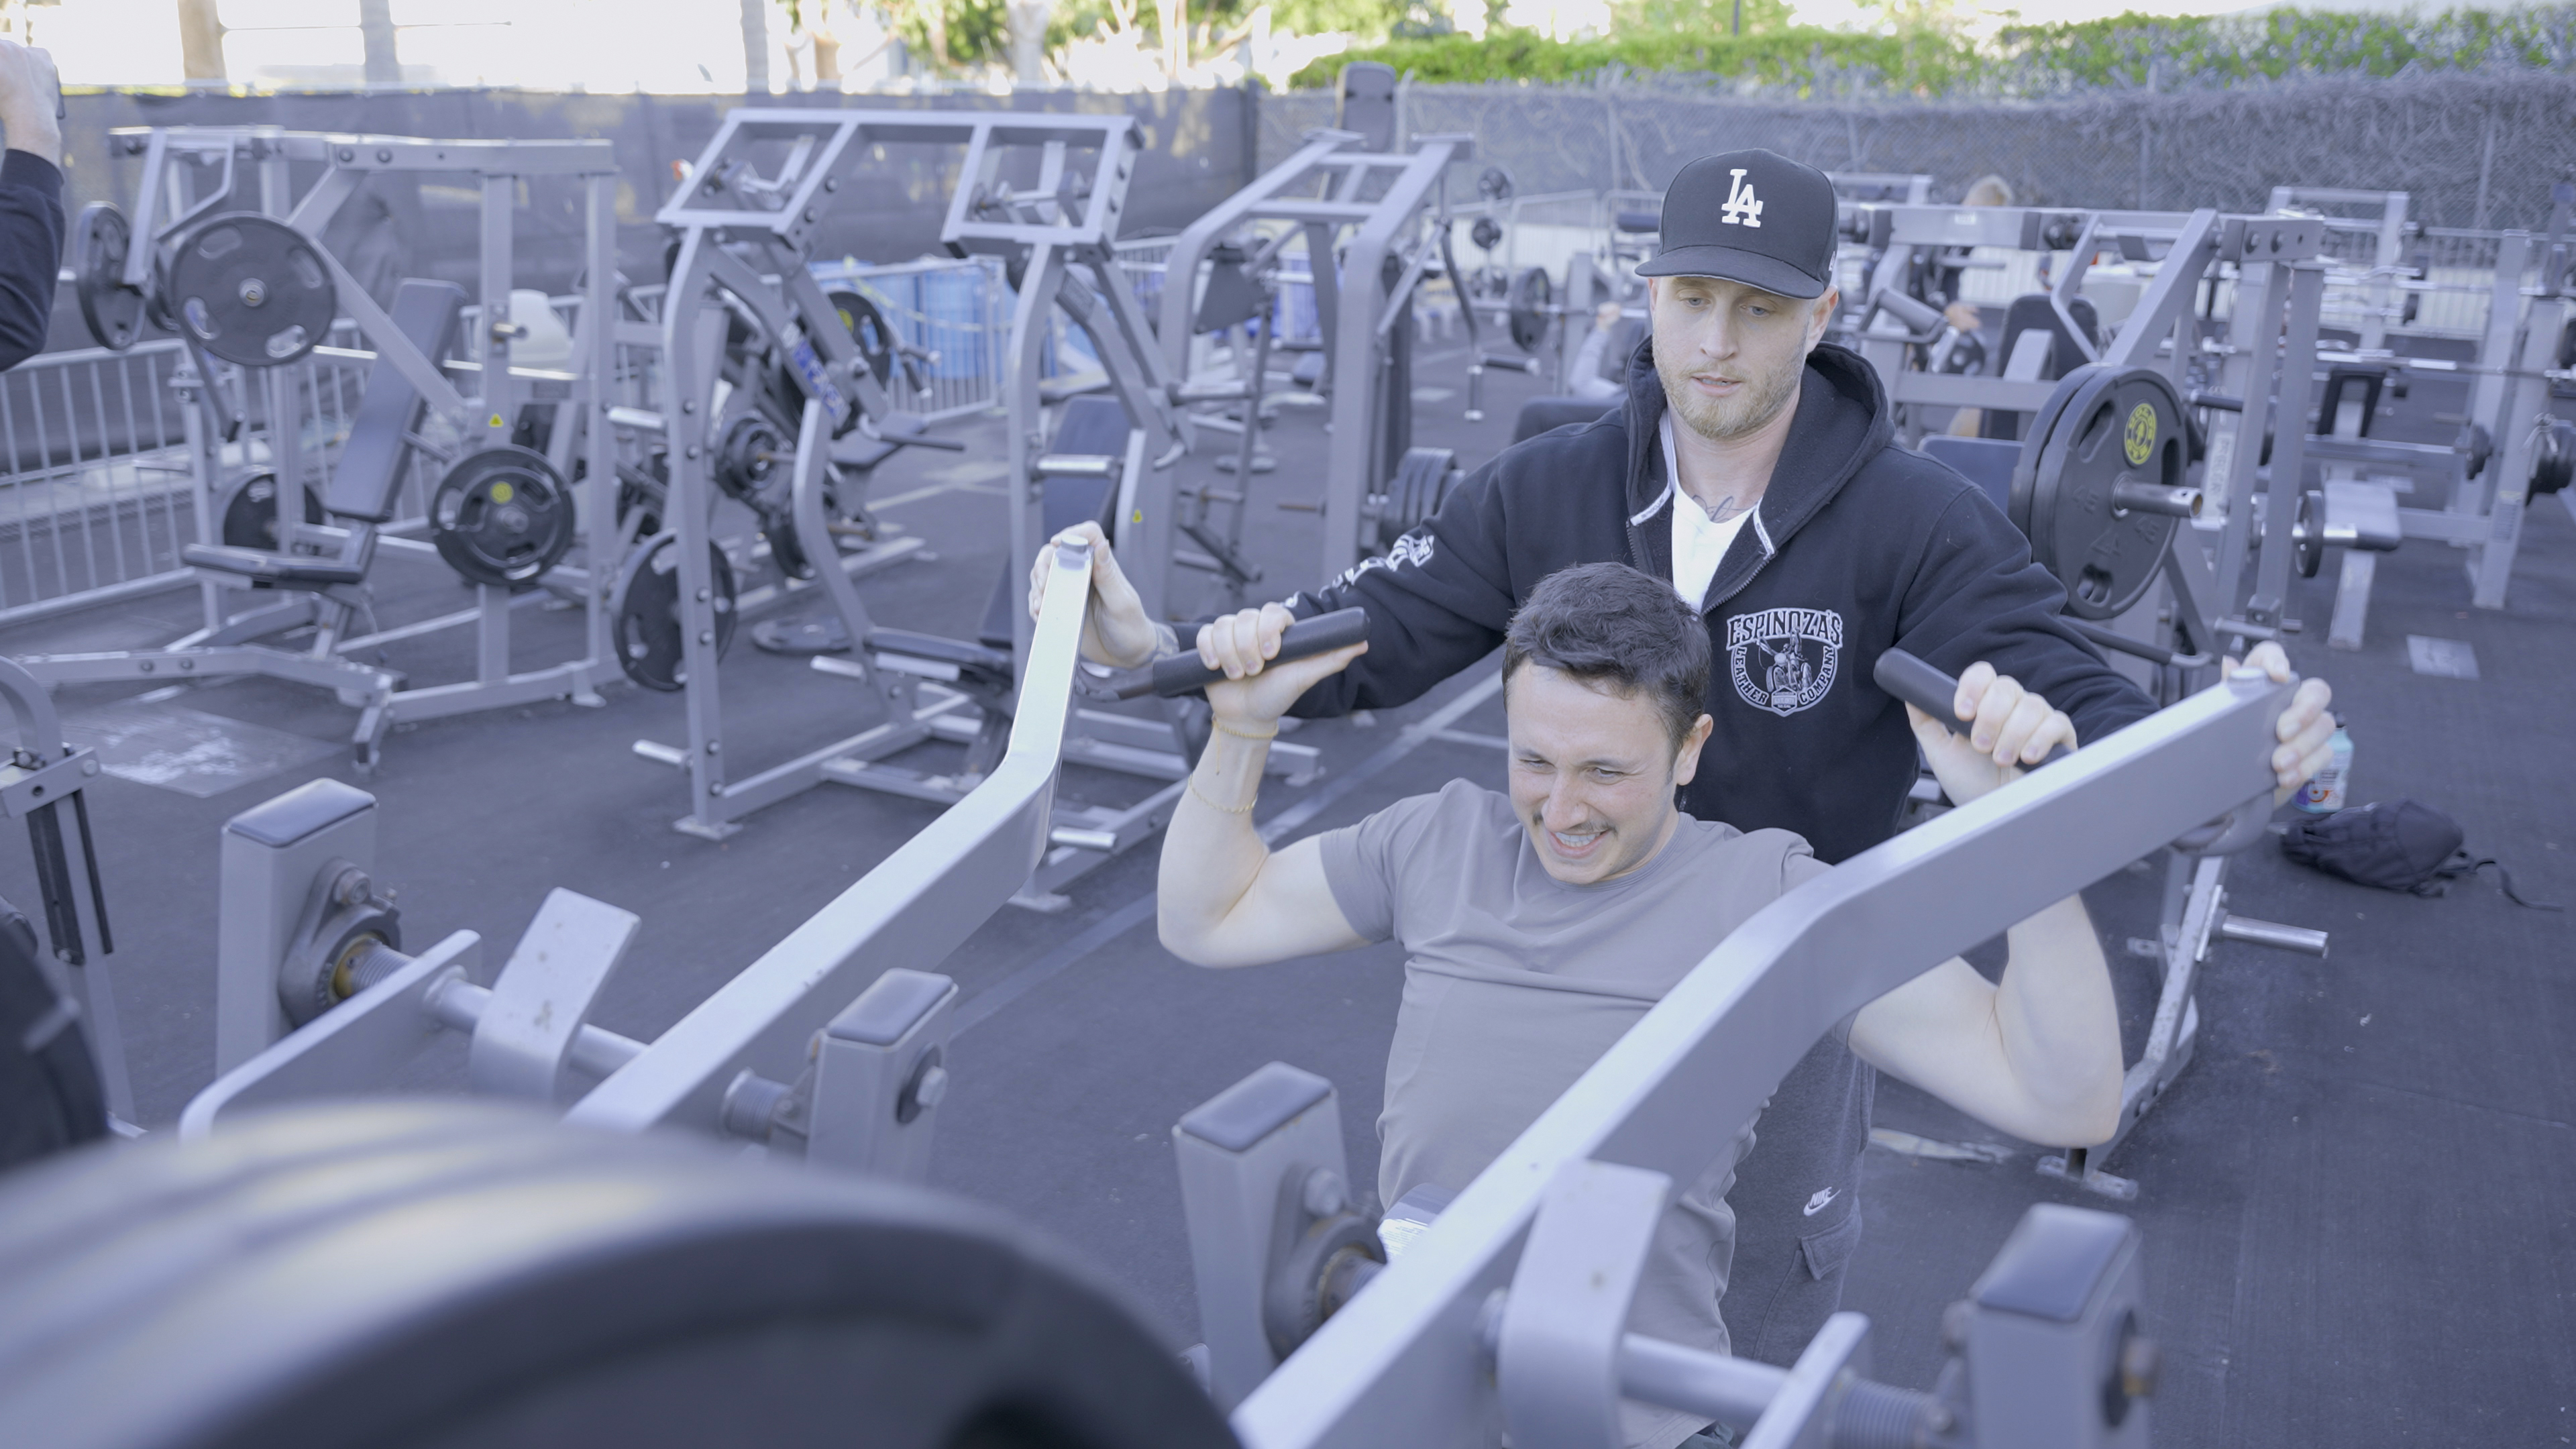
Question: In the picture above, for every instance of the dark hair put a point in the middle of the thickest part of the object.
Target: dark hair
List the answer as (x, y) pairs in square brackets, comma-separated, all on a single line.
[(1606, 622)]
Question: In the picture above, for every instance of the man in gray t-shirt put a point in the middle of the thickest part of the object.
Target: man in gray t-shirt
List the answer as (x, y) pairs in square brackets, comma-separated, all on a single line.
[(1539, 925)]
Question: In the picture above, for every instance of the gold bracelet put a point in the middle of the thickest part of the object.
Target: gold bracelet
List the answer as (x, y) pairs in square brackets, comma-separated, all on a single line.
[(1220, 726), (1243, 809)]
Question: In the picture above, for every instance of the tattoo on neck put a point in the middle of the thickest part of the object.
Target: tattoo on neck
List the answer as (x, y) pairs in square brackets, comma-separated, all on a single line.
[(1721, 510)]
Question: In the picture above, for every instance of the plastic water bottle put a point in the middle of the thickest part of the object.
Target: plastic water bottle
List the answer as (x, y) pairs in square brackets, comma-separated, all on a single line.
[(2324, 795)]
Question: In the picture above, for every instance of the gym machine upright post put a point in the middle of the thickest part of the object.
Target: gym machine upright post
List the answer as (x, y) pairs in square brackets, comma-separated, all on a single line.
[(252, 291), (1371, 228), (740, 224)]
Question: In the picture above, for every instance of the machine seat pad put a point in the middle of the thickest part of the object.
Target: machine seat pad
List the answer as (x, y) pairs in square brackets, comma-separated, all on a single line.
[(276, 568), (995, 663)]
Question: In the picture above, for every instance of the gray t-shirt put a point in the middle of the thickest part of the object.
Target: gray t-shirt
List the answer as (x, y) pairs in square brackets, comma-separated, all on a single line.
[(1515, 984)]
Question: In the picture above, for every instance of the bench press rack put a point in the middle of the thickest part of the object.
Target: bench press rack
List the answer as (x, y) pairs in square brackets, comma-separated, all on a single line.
[(1047, 192), (172, 200)]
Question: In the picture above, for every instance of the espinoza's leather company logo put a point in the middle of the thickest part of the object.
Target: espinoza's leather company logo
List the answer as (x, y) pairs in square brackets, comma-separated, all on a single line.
[(1783, 660)]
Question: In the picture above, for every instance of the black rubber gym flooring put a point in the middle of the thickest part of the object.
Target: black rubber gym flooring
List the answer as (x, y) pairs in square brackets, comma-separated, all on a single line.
[(2359, 1201)]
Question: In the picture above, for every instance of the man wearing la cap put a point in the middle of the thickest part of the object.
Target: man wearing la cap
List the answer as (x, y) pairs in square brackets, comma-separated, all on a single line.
[(1754, 466)]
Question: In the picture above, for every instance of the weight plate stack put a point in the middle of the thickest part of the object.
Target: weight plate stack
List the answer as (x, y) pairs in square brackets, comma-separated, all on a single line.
[(750, 453), (442, 1275), (249, 511), (2553, 460), (645, 613), (1531, 297), (502, 517), (2100, 427), (1421, 481), (252, 291), (100, 240)]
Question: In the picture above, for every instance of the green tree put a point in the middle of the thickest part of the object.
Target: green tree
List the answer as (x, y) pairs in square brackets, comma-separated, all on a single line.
[(1699, 17)]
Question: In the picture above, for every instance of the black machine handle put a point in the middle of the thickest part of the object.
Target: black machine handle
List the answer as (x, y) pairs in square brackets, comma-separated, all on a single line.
[(1174, 675), (1931, 691)]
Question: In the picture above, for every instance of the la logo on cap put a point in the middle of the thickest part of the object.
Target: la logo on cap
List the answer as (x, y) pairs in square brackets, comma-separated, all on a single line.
[(1742, 207)]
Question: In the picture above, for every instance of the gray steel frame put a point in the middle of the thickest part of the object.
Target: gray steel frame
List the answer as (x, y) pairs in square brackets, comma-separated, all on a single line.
[(913, 909), (1355, 307), (1061, 228), (484, 419)]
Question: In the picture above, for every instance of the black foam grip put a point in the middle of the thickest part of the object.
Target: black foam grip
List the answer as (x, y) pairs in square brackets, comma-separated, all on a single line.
[(1178, 674), (1931, 691)]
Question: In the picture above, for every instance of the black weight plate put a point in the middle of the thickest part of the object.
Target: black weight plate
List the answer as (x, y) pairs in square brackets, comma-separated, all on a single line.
[(50, 1097), (444, 1274), (99, 241), (1414, 493), (644, 613), (1486, 233), (2553, 463), (748, 456), (2307, 534), (248, 511), (2099, 426), (1530, 297), (2475, 447), (252, 291), (867, 327), (502, 517), (1494, 184)]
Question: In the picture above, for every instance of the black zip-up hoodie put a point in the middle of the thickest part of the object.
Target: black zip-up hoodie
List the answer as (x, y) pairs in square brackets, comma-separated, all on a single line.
[(1857, 546)]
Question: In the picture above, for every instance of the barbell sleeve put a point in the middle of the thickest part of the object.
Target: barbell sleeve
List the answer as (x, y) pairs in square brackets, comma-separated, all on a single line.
[(1931, 691)]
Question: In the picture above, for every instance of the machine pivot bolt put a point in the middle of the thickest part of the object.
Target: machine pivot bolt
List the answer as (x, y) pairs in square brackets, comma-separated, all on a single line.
[(1325, 1195)]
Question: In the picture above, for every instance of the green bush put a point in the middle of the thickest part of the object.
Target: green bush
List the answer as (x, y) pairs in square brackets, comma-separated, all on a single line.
[(2127, 52)]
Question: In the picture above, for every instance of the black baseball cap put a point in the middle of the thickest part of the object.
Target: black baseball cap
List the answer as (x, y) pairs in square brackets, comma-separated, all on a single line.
[(1754, 217)]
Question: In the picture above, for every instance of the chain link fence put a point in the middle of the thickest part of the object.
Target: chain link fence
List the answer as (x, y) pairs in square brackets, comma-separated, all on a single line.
[(2473, 150)]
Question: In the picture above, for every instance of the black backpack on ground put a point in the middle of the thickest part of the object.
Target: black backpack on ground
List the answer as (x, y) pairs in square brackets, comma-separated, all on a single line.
[(2398, 845)]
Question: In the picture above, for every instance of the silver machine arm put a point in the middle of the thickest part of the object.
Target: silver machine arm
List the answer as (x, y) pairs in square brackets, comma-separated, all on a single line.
[(913, 909), (1482, 1323)]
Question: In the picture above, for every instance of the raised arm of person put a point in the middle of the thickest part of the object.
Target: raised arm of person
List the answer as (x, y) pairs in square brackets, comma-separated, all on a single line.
[(1437, 602), (2038, 1053), (1226, 899), (31, 200), (1978, 600)]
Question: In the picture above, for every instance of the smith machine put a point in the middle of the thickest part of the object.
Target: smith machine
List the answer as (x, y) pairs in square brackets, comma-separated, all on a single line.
[(221, 250)]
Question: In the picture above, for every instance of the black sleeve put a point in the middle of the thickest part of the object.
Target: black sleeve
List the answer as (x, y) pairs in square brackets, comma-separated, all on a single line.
[(1438, 602), (31, 253), (1976, 593)]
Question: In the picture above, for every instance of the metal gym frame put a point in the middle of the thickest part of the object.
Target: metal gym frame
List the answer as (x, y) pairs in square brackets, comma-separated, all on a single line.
[(2518, 359), (1046, 192), (2182, 626), (1357, 211), (253, 164)]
